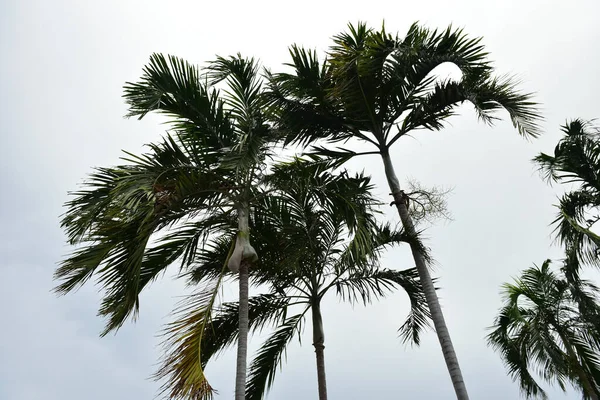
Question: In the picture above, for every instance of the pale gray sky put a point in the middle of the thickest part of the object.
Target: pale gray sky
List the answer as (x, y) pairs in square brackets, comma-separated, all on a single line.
[(61, 76)]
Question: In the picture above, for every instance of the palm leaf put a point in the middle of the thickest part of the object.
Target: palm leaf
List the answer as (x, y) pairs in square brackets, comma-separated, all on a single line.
[(269, 356), (367, 285)]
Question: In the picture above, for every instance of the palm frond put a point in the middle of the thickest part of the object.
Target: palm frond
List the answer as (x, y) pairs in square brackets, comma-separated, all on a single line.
[(174, 87), (576, 160), (268, 358), (119, 214), (190, 343), (373, 81), (367, 285), (184, 370)]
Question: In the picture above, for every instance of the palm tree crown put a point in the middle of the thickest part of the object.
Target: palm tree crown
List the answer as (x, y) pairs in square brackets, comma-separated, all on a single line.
[(134, 220), (550, 325)]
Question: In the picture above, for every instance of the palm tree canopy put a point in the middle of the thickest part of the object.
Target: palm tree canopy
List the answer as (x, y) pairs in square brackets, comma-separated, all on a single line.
[(123, 218), (132, 221), (379, 87), (315, 233), (576, 160), (547, 326)]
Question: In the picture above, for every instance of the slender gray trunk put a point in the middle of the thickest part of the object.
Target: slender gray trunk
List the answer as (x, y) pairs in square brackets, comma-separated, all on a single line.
[(319, 343), (242, 257), (430, 295), (242, 350)]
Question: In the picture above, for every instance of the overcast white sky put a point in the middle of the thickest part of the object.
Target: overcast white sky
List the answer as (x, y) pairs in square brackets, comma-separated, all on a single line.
[(63, 65)]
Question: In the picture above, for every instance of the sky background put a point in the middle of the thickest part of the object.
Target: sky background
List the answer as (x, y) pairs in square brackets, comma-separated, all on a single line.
[(63, 65)]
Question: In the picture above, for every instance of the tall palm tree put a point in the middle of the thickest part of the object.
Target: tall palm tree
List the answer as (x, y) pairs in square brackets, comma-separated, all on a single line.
[(134, 220), (550, 324), (378, 88), (576, 159), (301, 231)]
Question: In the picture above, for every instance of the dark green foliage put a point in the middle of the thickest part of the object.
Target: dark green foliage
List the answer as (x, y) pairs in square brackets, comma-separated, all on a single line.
[(378, 87), (549, 326), (132, 221), (576, 160)]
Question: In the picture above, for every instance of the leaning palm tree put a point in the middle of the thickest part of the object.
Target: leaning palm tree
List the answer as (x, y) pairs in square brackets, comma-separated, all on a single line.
[(379, 88), (576, 159), (551, 325), (301, 231), (134, 220)]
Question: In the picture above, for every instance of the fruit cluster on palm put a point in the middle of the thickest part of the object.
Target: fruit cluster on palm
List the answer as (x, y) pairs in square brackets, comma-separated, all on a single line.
[(213, 185), (550, 323)]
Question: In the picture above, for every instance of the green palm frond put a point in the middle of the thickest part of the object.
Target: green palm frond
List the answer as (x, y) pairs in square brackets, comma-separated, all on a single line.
[(347, 197), (361, 253), (576, 156), (175, 88), (269, 356), (368, 285), (581, 243), (124, 210), (246, 101), (373, 82), (576, 160), (243, 93)]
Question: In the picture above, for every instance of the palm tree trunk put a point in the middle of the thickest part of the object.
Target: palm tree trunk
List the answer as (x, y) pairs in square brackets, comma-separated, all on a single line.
[(430, 295), (319, 343), (242, 350), (247, 255)]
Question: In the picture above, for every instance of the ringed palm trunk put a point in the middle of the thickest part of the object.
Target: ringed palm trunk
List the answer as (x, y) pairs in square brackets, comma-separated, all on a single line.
[(242, 350), (319, 344), (430, 295), (241, 259)]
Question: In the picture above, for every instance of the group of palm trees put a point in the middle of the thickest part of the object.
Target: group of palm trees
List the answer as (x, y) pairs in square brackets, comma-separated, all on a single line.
[(216, 196)]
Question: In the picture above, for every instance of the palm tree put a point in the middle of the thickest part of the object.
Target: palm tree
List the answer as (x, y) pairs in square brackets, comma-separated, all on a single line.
[(378, 88), (300, 230), (576, 159), (134, 220), (551, 324)]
